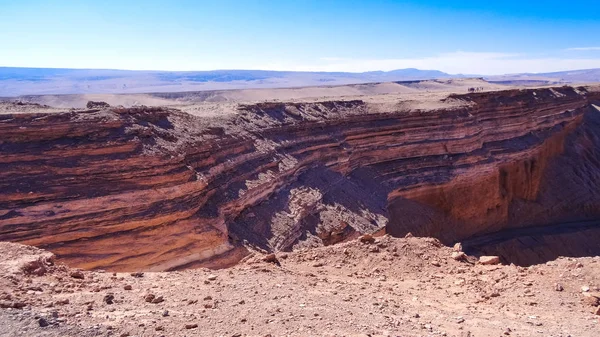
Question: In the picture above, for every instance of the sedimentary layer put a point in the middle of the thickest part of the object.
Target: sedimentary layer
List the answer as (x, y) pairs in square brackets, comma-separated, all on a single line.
[(158, 189)]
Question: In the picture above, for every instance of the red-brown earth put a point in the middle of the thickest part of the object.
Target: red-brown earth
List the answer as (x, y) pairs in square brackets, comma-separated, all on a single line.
[(153, 189)]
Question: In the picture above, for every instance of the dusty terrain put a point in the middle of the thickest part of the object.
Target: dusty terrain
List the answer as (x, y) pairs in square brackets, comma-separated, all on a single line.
[(204, 101), (388, 287)]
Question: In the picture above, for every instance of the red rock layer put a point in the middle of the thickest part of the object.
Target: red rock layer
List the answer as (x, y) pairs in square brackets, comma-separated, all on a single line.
[(156, 189)]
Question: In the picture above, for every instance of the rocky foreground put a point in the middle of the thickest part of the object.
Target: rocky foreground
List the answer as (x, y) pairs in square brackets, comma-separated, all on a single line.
[(371, 286)]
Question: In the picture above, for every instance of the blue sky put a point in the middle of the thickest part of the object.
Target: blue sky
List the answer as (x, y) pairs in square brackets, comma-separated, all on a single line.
[(474, 37)]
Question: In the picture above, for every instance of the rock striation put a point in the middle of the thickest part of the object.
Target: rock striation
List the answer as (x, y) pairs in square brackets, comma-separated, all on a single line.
[(149, 188)]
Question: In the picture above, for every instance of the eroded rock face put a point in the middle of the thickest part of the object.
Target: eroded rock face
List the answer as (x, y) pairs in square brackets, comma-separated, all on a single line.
[(541, 171), (157, 189)]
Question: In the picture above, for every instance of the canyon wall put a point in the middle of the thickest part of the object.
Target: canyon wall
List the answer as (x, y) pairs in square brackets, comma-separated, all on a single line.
[(158, 189)]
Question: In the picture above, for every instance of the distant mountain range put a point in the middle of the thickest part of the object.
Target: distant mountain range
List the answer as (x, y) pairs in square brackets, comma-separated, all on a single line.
[(40, 81), (571, 76)]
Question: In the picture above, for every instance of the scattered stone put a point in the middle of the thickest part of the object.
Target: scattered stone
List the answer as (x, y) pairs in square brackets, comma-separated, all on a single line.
[(43, 322), (165, 313), (459, 256), (374, 249), (458, 247), (19, 305), (435, 263), (77, 274), (489, 260), (191, 326), (149, 298), (109, 298), (366, 238), (159, 328), (597, 311), (127, 287), (271, 258), (212, 277), (137, 274), (409, 235), (585, 289), (558, 287), (63, 301), (157, 300)]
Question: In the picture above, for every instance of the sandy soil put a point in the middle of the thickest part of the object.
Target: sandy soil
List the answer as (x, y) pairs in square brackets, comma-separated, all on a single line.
[(383, 287), (192, 100), (418, 95)]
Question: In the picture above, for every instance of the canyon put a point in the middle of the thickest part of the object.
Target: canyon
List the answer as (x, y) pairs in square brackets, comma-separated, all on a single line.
[(160, 189)]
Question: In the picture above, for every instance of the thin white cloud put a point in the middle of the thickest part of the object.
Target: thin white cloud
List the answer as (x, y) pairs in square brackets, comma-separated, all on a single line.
[(460, 62), (332, 59), (583, 49)]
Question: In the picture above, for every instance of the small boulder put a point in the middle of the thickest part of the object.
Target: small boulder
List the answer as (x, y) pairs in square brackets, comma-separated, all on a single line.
[(489, 260), (157, 300), (109, 298), (77, 274), (127, 287), (212, 277), (366, 238), (149, 298), (43, 322), (558, 287), (18, 305), (191, 326), (271, 258), (458, 247), (459, 256)]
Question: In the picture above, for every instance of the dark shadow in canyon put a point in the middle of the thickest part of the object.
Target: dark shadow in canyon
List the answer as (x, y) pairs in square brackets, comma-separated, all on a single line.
[(540, 244)]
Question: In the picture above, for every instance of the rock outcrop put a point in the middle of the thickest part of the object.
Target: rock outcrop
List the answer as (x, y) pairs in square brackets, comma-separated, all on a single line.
[(157, 189)]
